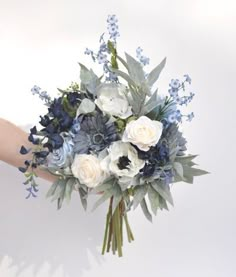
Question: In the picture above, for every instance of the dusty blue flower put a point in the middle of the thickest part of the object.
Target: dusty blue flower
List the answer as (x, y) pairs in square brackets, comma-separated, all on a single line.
[(113, 27), (63, 156), (173, 92), (142, 59), (187, 78), (175, 84), (190, 116), (102, 58), (112, 19), (88, 51), (43, 95), (96, 133)]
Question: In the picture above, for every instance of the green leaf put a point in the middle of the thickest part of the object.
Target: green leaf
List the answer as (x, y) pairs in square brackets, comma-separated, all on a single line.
[(86, 106), (179, 169), (162, 203), (153, 196), (117, 196), (125, 76), (185, 159), (195, 171), (69, 188), (52, 189), (123, 62), (88, 78), (135, 70), (105, 186), (106, 195), (62, 195), (114, 63), (59, 189), (164, 191), (151, 104), (111, 47), (83, 197), (155, 73), (145, 210), (139, 194)]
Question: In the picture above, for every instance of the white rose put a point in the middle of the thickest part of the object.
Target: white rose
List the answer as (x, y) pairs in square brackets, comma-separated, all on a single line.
[(88, 170), (122, 160), (143, 132), (112, 100)]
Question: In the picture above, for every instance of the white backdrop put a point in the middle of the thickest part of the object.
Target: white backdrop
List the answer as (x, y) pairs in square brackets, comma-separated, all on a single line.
[(41, 43)]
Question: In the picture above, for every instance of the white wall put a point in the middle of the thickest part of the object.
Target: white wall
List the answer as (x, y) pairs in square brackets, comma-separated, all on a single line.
[(41, 43)]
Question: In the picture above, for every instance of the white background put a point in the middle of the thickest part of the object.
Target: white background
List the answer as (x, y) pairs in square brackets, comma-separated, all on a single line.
[(41, 43)]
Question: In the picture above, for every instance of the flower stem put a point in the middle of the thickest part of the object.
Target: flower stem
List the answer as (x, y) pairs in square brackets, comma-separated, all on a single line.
[(113, 236)]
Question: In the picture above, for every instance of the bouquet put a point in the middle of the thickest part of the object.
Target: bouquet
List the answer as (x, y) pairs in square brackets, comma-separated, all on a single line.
[(113, 135)]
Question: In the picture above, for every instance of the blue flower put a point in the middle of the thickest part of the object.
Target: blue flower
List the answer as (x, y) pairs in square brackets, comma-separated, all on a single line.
[(88, 51), (63, 156), (24, 151), (35, 90), (171, 118), (102, 58), (45, 120), (190, 116), (175, 84), (75, 127), (112, 19), (43, 95), (113, 27), (95, 134), (143, 59), (173, 92), (187, 78)]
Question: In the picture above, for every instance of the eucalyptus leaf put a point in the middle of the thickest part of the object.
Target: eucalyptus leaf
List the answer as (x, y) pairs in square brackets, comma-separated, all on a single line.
[(85, 107), (150, 105), (105, 186), (145, 210), (106, 195), (153, 196), (122, 61), (139, 194), (163, 204), (125, 76), (83, 198), (88, 78), (196, 171), (185, 159), (62, 195), (59, 190), (52, 189), (179, 169), (164, 191), (69, 188), (135, 70), (155, 73)]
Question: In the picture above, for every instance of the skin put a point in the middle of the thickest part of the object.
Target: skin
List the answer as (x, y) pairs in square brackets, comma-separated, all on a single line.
[(11, 140)]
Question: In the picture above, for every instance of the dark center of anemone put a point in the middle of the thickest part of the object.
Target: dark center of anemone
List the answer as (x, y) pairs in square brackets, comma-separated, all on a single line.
[(123, 162), (98, 138)]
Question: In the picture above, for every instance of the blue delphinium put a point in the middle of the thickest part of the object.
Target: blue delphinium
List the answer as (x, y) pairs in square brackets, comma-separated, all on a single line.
[(43, 95), (142, 59), (113, 27), (173, 114), (102, 56)]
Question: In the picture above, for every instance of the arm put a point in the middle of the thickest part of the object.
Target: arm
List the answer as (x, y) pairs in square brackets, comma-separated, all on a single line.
[(11, 140)]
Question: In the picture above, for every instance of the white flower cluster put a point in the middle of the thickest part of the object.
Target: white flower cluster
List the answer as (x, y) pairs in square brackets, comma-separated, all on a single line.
[(121, 158)]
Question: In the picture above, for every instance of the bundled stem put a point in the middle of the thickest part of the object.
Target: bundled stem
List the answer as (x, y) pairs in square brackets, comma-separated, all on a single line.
[(113, 236)]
